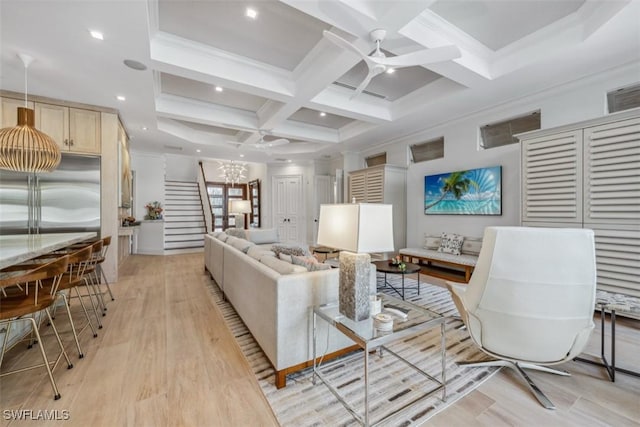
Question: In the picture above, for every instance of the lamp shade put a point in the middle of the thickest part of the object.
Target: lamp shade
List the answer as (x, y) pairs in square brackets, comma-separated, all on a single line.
[(24, 148), (239, 206), (357, 227)]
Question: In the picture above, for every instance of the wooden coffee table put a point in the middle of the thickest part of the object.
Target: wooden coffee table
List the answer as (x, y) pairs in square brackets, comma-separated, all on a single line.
[(384, 267)]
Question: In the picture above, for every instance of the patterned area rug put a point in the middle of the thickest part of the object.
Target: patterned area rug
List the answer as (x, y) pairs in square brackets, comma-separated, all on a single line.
[(392, 384)]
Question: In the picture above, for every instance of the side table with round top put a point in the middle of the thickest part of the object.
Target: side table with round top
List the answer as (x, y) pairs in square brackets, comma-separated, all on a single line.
[(384, 267)]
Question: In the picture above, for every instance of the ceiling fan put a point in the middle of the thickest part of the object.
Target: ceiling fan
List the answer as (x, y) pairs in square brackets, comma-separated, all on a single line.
[(378, 62), (269, 144)]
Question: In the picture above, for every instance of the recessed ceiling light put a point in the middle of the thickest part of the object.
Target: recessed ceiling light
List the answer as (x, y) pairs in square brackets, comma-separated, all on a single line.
[(322, 114), (251, 13), (198, 150), (391, 70), (144, 128), (96, 34), (219, 89), (241, 155), (289, 161), (121, 98)]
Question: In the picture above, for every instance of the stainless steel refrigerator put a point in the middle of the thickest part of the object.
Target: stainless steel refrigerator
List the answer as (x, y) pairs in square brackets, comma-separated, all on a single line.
[(65, 200)]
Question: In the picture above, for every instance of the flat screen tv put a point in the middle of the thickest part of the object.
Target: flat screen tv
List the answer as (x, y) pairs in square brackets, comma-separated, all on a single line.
[(468, 192)]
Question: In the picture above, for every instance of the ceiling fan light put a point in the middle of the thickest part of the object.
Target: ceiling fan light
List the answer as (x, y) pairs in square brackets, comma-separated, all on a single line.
[(390, 70)]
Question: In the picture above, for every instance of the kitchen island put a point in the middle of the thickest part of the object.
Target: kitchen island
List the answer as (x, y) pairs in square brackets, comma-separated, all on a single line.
[(16, 248)]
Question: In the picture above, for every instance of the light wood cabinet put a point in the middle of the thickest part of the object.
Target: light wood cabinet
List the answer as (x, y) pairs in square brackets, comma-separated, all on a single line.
[(74, 129), (9, 111), (585, 175), (383, 184)]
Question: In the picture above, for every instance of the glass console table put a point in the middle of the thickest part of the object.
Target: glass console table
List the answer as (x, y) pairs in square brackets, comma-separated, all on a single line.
[(370, 339)]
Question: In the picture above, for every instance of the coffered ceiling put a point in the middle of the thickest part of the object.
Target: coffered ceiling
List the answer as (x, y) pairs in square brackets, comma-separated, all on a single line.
[(218, 81)]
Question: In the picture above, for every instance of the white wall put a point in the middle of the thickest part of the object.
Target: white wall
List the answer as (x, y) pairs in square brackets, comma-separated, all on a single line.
[(181, 168), (149, 172), (580, 100)]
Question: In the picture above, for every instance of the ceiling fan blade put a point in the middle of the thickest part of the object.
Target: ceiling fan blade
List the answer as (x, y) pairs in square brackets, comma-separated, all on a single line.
[(339, 41), (372, 73), (421, 57)]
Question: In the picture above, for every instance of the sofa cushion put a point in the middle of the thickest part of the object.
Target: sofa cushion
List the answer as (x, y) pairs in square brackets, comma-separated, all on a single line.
[(450, 243), (431, 242), (471, 246), (285, 257), (256, 252), (310, 263), (290, 250), (280, 266), (435, 256), (261, 236), (214, 233), (236, 232), (241, 244), (222, 236)]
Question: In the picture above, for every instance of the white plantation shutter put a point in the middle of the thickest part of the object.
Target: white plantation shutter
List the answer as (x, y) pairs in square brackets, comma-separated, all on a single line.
[(375, 186), (590, 177), (612, 173), (618, 260), (357, 188), (552, 178)]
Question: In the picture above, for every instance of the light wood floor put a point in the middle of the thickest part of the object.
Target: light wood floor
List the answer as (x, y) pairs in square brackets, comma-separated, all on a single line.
[(165, 358)]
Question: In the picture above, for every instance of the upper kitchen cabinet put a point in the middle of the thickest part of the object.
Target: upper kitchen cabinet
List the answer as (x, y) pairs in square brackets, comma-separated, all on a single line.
[(9, 111), (74, 129)]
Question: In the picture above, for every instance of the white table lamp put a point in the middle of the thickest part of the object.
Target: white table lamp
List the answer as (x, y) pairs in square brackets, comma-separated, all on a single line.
[(356, 229), (239, 208)]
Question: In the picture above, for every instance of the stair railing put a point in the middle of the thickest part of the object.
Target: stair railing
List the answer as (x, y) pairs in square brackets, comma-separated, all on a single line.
[(204, 200)]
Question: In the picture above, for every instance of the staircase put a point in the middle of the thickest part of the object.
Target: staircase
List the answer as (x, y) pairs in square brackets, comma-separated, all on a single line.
[(184, 225)]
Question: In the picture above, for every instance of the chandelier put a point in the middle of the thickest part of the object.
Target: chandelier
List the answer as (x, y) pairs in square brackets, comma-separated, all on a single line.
[(232, 172)]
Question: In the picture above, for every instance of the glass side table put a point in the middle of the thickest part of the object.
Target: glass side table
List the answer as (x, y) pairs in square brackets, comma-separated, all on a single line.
[(369, 339)]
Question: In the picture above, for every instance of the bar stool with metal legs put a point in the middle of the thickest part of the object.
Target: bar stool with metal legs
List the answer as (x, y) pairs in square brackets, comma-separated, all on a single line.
[(39, 286), (106, 242)]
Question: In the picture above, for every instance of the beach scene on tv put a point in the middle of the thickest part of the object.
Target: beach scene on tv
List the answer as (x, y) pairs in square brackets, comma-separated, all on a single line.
[(470, 192)]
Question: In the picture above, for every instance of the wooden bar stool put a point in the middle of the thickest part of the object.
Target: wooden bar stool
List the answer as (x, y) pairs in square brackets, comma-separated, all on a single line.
[(39, 286)]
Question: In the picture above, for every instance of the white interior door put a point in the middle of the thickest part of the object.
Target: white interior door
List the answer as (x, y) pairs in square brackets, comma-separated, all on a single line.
[(288, 213), (322, 193)]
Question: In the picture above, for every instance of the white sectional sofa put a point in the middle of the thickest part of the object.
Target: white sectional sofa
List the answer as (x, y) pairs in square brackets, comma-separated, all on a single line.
[(276, 306)]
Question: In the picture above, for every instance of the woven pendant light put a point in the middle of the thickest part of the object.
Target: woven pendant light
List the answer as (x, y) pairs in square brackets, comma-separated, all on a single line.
[(23, 148)]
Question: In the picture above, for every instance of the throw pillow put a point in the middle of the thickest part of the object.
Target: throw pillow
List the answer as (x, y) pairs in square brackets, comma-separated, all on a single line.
[(472, 246), (290, 250), (451, 243), (310, 263), (431, 242), (236, 232)]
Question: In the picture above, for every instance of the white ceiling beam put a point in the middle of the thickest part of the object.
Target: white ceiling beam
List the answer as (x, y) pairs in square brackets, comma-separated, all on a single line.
[(307, 132), (181, 131), (337, 100), (196, 61), (324, 64), (471, 69), (191, 110), (425, 96)]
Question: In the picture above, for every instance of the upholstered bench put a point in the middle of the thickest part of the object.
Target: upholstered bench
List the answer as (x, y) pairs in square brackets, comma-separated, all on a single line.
[(452, 267)]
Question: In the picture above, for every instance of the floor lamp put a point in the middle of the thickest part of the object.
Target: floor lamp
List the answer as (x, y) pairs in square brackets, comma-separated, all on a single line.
[(239, 208), (357, 229)]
